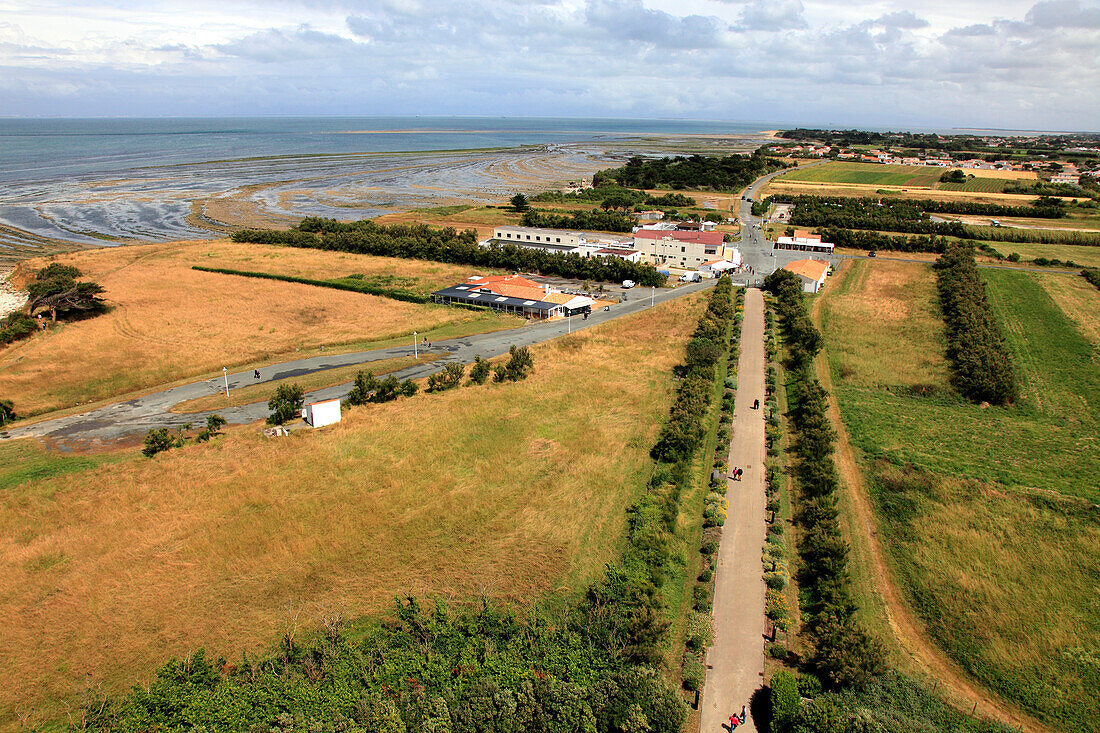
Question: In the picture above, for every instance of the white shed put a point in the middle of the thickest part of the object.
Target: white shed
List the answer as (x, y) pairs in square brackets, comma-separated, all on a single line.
[(319, 414)]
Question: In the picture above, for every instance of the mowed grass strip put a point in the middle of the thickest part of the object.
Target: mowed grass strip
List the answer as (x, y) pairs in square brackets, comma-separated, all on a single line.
[(987, 514), (318, 380), (867, 173), (511, 491), (169, 322)]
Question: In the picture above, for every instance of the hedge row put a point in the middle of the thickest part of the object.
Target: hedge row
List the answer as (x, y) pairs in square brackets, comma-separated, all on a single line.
[(350, 284), (981, 368), (422, 242), (715, 509), (1092, 274), (843, 655), (868, 240)]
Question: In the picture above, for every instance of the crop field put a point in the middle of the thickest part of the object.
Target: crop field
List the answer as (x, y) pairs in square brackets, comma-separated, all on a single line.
[(989, 515), (873, 174), (113, 563), (168, 322), (1084, 255), (981, 185)]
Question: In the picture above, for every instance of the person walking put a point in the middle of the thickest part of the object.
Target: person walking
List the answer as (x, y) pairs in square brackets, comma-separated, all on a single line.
[(734, 722), (742, 719), (256, 373)]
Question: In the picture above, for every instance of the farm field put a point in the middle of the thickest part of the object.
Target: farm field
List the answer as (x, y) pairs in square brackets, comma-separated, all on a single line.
[(169, 322), (867, 173), (1084, 255), (116, 562), (987, 515)]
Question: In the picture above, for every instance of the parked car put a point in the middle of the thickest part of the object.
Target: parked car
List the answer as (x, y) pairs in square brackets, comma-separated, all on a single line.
[(872, 253), (628, 284)]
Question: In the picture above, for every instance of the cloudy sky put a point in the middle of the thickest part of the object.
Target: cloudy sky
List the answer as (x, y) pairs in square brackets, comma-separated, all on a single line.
[(1004, 64)]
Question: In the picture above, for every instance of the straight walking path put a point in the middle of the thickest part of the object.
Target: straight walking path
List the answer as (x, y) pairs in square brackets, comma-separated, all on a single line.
[(141, 414), (735, 663)]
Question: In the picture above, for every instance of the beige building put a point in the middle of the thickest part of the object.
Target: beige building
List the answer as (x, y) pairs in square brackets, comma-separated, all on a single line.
[(674, 248)]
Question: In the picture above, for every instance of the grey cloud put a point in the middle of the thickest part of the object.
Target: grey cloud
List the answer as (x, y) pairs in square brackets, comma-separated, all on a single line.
[(276, 45), (773, 15), (903, 19), (1063, 14)]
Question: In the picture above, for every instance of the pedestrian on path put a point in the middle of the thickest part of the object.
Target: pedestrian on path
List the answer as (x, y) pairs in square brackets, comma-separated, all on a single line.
[(742, 719), (733, 722), (739, 472), (256, 373)]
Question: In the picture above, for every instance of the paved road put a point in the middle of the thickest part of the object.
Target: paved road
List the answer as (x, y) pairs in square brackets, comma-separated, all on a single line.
[(756, 251), (139, 415), (735, 663)]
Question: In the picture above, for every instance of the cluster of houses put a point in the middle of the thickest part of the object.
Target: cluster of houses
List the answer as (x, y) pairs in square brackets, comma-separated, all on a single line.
[(685, 247)]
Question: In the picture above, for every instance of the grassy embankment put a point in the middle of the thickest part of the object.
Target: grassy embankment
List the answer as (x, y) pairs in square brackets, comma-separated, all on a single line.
[(511, 491), (988, 515), (170, 323)]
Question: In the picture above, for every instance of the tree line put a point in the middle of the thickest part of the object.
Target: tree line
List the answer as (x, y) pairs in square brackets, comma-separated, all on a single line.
[(591, 666), (596, 219), (695, 172), (420, 241), (981, 368), (843, 655)]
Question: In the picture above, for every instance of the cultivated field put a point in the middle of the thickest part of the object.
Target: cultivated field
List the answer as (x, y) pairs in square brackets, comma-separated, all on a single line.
[(989, 515), (512, 491), (169, 322), (868, 173)]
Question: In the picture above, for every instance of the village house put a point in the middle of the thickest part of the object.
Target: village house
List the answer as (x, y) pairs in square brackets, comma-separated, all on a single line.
[(811, 272)]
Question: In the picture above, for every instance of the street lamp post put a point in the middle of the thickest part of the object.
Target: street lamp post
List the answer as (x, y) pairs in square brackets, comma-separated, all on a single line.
[(225, 376), (652, 294), (416, 354)]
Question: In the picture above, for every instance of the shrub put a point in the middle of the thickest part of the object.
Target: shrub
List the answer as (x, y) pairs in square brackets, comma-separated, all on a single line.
[(700, 598), (159, 440), (7, 412), (499, 373), (705, 575), (694, 673), (777, 650), (519, 363), (286, 405), (784, 700), (479, 372), (709, 547), (449, 378), (16, 326), (214, 425), (775, 580), (700, 631)]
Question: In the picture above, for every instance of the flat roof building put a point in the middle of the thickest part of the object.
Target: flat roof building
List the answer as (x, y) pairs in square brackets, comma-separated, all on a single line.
[(678, 248), (803, 241)]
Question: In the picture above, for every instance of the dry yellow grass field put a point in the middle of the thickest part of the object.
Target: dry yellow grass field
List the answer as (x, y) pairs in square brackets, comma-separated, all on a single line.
[(169, 322), (1078, 299), (511, 491), (814, 188), (898, 303)]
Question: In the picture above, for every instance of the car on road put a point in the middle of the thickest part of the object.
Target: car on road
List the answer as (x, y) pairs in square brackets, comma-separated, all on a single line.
[(628, 284), (872, 253)]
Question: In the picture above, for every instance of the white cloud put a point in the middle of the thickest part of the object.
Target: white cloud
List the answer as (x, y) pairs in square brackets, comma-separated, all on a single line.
[(872, 62)]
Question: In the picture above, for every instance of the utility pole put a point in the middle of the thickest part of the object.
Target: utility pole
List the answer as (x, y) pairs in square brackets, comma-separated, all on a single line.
[(225, 376), (416, 355), (652, 294), (569, 320)]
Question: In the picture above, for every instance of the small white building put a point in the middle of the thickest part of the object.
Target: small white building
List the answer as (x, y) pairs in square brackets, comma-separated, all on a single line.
[(715, 268), (1070, 178), (319, 414)]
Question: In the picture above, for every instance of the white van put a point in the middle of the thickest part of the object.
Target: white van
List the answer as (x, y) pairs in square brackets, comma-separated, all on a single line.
[(691, 277), (628, 284)]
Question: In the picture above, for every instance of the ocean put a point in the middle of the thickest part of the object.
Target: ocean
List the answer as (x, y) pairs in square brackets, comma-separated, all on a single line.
[(108, 181)]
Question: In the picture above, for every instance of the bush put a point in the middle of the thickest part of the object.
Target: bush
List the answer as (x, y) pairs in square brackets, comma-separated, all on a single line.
[(777, 650), (519, 363), (479, 372), (499, 373), (16, 326), (286, 405), (700, 631), (705, 575), (449, 378), (775, 580), (214, 425), (159, 440), (708, 548), (700, 598), (694, 673), (7, 412), (785, 700)]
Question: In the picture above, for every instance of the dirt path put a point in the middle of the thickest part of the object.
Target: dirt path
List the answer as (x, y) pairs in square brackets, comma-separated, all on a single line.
[(953, 683), (735, 663)]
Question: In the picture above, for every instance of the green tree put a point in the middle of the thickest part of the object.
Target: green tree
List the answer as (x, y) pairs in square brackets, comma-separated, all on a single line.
[(520, 203), (363, 388), (214, 425), (286, 405), (499, 373)]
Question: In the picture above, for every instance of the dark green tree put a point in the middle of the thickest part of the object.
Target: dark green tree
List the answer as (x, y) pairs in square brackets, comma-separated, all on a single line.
[(286, 405), (519, 202), (7, 412), (479, 372)]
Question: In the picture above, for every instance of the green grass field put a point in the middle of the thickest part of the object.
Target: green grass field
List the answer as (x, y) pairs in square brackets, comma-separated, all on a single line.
[(977, 185), (868, 173), (989, 515)]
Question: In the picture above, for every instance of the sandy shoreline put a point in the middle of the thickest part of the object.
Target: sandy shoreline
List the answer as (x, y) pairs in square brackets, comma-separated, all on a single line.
[(11, 299), (773, 134)]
